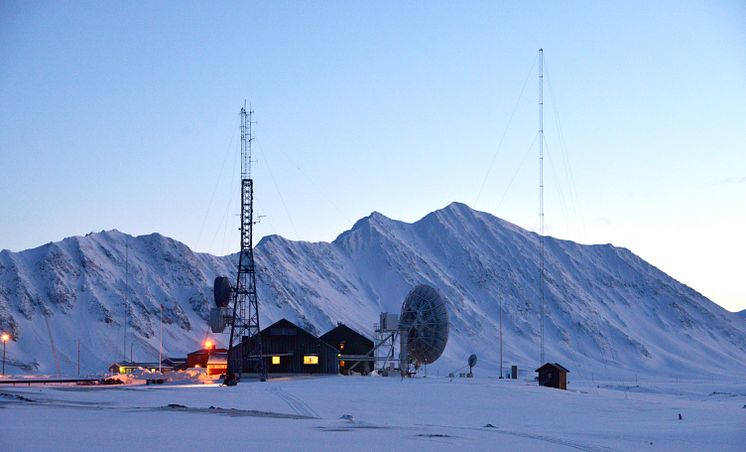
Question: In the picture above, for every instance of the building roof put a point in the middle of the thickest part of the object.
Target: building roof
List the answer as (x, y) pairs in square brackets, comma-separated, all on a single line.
[(218, 358), (175, 360), (285, 327), (208, 351), (136, 364), (342, 329), (556, 366)]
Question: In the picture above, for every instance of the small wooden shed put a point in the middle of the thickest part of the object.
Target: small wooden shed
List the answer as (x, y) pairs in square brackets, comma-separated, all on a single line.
[(553, 375)]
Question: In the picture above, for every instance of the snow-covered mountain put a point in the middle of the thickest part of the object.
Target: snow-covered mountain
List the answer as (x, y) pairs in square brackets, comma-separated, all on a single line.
[(607, 310)]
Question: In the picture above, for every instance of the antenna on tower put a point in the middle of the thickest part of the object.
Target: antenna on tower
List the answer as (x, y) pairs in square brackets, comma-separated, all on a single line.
[(245, 344), (247, 138), (541, 190)]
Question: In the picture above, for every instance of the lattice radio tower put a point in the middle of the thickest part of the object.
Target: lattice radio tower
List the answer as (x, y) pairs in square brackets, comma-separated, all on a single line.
[(245, 319)]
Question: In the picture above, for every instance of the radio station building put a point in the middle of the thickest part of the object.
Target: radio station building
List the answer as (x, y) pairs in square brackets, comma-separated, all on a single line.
[(288, 348), (350, 344)]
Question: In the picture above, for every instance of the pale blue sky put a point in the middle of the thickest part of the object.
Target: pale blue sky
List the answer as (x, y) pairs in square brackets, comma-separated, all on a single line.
[(125, 115)]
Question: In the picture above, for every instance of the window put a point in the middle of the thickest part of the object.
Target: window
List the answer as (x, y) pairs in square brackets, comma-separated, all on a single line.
[(310, 359), (275, 360), (342, 363)]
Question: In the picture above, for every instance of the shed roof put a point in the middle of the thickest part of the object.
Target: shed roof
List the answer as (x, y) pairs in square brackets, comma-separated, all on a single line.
[(556, 366)]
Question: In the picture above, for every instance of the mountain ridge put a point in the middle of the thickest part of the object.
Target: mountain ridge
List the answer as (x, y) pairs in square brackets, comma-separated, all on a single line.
[(606, 307)]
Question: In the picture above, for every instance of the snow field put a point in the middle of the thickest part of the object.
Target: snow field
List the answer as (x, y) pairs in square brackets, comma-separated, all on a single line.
[(359, 413)]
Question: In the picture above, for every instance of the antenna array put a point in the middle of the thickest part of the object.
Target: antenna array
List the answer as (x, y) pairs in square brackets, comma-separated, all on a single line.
[(244, 353)]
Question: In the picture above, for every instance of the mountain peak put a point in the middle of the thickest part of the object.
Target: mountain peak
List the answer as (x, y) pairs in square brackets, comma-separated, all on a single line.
[(605, 307), (375, 218)]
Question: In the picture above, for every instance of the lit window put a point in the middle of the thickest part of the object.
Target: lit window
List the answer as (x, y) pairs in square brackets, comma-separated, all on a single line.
[(121, 370), (341, 363), (341, 346), (275, 360), (310, 359)]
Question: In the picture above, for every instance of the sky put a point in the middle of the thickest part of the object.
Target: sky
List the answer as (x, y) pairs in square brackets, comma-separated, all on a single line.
[(126, 115)]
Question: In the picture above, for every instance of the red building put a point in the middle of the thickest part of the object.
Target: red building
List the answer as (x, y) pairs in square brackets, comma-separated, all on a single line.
[(214, 359)]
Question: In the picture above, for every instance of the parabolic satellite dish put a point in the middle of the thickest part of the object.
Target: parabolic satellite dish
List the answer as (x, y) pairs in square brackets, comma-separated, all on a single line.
[(222, 291), (217, 319), (423, 326), (472, 361)]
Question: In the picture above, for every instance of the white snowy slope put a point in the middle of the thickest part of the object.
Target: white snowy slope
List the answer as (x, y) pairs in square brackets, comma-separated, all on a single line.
[(608, 312)]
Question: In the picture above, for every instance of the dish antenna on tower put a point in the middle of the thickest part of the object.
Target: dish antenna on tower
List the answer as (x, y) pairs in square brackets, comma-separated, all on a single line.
[(223, 293), (472, 362), (423, 328)]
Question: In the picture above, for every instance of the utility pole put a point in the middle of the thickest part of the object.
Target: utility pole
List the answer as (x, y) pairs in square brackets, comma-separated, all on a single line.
[(78, 356), (5, 338), (501, 338), (160, 349)]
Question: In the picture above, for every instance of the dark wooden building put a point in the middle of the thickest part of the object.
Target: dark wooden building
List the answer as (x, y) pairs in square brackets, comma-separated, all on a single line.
[(175, 363), (553, 375), (350, 343), (288, 348)]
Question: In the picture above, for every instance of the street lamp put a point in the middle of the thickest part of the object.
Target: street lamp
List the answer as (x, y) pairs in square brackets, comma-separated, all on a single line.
[(5, 337)]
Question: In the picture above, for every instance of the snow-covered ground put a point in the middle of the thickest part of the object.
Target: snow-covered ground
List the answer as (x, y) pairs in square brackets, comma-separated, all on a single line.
[(366, 413)]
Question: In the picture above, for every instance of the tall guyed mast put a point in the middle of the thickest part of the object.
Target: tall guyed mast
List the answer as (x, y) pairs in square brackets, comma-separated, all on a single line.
[(541, 193)]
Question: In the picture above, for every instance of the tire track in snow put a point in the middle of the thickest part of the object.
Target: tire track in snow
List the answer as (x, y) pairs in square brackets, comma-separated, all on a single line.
[(299, 406), (549, 439)]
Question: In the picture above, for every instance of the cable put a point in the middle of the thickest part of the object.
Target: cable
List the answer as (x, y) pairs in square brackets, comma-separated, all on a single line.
[(217, 183), (518, 170), (317, 189), (505, 132), (223, 224), (277, 188), (560, 193), (573, 191)]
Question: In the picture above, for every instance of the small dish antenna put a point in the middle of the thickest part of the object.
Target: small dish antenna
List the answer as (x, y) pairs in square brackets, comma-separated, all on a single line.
[(222, 292), (472, 362)]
